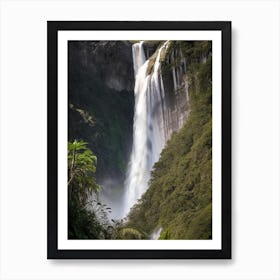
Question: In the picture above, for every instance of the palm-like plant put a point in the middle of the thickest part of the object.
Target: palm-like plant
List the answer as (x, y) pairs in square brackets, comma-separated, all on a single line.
[(81, 168)]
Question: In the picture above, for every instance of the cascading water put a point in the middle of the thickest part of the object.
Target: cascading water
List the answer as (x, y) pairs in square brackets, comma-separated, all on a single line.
[(149, 133), (156, 234)]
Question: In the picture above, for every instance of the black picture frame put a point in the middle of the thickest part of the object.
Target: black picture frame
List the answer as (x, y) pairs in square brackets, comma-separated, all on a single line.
[(53, 27)]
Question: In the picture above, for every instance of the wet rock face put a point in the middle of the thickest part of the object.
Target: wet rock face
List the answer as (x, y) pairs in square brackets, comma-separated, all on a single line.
[(110, 61), (176, 99)]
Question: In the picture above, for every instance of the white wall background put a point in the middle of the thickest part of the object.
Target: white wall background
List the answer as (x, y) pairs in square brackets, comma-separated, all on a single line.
[(256, 140)]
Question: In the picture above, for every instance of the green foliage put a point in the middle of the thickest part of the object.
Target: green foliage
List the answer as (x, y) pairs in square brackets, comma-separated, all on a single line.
[(191, 51), (81, 169), (201, 225), (179, 197), (130, 233), (87, 218), (83, 222)]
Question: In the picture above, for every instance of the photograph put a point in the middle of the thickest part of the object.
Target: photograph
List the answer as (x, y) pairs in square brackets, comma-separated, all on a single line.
[(140, 139)]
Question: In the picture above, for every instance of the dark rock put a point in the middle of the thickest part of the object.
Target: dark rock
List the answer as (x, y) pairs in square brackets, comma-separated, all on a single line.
[(110, 61), (101, 102)]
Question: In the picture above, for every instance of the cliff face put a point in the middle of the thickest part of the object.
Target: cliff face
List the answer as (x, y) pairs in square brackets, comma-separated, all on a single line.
[(175, 80), (179, 59), (101, 102), (109, 61)]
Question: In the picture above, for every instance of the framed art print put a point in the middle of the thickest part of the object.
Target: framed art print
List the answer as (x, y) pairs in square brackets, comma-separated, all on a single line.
[(139, 140)]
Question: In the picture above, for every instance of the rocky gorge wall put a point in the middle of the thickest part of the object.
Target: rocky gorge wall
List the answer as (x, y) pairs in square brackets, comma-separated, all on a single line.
[(101, 102), (176, 64)]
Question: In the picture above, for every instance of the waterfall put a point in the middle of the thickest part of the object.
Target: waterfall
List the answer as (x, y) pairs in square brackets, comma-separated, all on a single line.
[(156, 234), (149, 134)]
